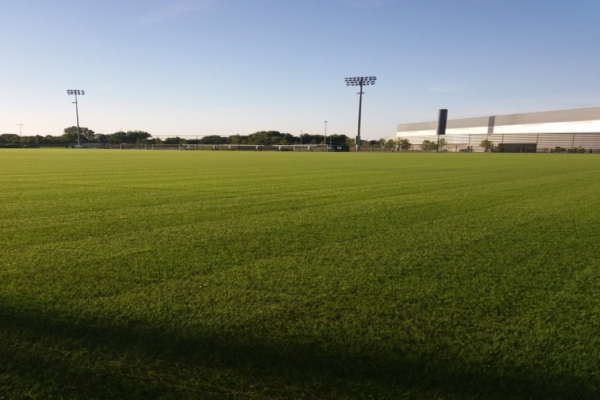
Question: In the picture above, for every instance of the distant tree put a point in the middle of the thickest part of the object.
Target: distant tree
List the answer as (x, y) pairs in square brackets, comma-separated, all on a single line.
[(10, 138), (268, 138), (37, 139), (214, 139), (265, 137), (337, 140), (131, 137), (390, 143), (237, 139), (307, 138), (174, 140), (31, 140), (441, 143), (404, 144), (50, 139), (138, 137), (488, 145), (101, 138), (428, 145), (117, 137), (288, 138), (70, 134)]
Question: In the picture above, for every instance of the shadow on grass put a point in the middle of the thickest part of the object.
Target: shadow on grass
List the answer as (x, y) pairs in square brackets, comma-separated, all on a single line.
[(56, 357)]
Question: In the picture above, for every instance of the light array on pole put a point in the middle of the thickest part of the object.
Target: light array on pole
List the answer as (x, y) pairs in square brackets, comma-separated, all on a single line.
[(361, 81), (76, 92)]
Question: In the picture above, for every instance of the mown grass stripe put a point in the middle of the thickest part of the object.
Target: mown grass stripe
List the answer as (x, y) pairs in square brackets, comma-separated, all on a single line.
[(269, 275)]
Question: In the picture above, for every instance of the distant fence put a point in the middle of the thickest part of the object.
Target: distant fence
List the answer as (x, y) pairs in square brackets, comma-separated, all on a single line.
[(515, 143), (241, 147), (213, 147), (468, 143)]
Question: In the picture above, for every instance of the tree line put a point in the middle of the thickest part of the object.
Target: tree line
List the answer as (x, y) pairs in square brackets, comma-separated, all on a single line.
[(87, 135), (69, 136)]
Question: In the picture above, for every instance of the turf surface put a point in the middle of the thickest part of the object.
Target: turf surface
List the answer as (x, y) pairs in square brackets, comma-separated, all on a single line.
[(254, 275)]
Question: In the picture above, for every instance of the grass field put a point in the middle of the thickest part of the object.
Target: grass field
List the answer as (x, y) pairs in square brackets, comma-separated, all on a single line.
[(252, 275)]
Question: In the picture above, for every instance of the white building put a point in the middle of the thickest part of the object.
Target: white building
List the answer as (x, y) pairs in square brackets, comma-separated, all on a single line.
[(569, 129)]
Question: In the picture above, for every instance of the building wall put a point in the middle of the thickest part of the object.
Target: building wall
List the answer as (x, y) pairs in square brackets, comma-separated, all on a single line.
[(581, 120)]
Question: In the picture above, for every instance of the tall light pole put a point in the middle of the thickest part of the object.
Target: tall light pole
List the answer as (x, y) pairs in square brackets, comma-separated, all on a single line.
[(325, 136), (360, 81), (20, 134), (76, 92)]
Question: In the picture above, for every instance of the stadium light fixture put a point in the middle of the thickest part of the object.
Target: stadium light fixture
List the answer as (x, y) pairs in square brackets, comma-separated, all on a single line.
[(76, 92), (360, 81)]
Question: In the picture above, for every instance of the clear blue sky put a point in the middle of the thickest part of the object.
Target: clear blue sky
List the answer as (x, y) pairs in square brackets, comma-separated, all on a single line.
[(201, 67)]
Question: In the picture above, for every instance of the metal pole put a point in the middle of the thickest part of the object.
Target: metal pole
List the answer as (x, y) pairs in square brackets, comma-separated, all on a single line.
[(20, 134), (359, 114), (77, 114), (325, 136), (360, 81)]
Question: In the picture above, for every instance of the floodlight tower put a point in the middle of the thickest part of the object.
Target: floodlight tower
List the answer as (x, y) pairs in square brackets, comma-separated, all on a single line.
[(360, 81), (76, 92)]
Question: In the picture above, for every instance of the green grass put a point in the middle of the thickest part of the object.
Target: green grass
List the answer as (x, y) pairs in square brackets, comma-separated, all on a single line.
[(251, 275)]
